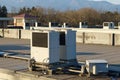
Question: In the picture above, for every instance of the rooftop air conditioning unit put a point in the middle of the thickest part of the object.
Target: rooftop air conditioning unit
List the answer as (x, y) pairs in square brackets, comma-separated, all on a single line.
[(45, 46), (108, 25), (83, 25)]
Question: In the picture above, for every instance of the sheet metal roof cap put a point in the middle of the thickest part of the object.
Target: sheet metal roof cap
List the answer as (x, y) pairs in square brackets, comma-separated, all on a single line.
[(24, 16), (5, 19), (97, 61)]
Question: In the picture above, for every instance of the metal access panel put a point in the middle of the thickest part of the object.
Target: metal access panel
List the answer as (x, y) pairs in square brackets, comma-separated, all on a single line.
[(71, 44), (45, 46), (62, 38), (67, 45), (111, 26), (39, 39), (62, 43)]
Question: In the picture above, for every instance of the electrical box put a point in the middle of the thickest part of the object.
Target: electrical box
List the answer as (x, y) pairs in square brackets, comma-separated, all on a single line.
[(67, 44), (96, 66), (118, 25), (108, 25), (83, 25), (45, 46)]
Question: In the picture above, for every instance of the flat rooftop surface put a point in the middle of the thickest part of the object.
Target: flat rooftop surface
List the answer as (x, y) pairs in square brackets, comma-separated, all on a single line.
[(84, 52), (15, 45), (89, 51), (13, 64)]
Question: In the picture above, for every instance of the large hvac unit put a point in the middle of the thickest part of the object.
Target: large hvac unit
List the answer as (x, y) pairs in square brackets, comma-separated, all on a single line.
[(108, 25), (45, 47), (96, 66), (67, 45)]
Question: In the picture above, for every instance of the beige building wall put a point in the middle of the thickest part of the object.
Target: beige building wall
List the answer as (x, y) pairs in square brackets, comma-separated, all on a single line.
[(22, 22), (18, 22)]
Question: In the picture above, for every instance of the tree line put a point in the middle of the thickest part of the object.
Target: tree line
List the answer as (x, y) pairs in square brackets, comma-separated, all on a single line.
[(72, 17), (3, 11)]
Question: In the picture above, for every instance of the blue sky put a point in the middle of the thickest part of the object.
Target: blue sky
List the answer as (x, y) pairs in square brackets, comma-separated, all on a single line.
[(112, 1)]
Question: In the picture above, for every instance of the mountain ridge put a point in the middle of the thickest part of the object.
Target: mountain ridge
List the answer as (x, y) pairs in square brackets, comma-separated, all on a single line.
[(61, 5)]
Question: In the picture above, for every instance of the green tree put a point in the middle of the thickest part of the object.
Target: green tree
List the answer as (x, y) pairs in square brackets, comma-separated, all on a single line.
[(72, 17), (3, 11), (0, 12)]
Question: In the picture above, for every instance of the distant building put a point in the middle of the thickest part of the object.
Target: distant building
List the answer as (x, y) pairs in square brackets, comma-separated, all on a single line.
[(25, 21), (4, 22)]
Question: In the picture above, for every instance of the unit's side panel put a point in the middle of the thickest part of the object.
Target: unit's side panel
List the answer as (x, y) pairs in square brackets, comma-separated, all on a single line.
[(71, 44), (54, 47)]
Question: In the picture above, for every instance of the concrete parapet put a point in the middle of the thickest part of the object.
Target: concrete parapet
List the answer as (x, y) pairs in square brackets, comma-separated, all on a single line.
[(117, 39), (80, 37), (26, 34), (86, 36), (12, 75), (94, 38), (6, 71), (98, 38), (16, 33), (11, 33), (1, 33)]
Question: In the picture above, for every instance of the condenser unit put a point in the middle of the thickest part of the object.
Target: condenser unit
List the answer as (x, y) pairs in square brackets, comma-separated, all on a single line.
[(45, 46)]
